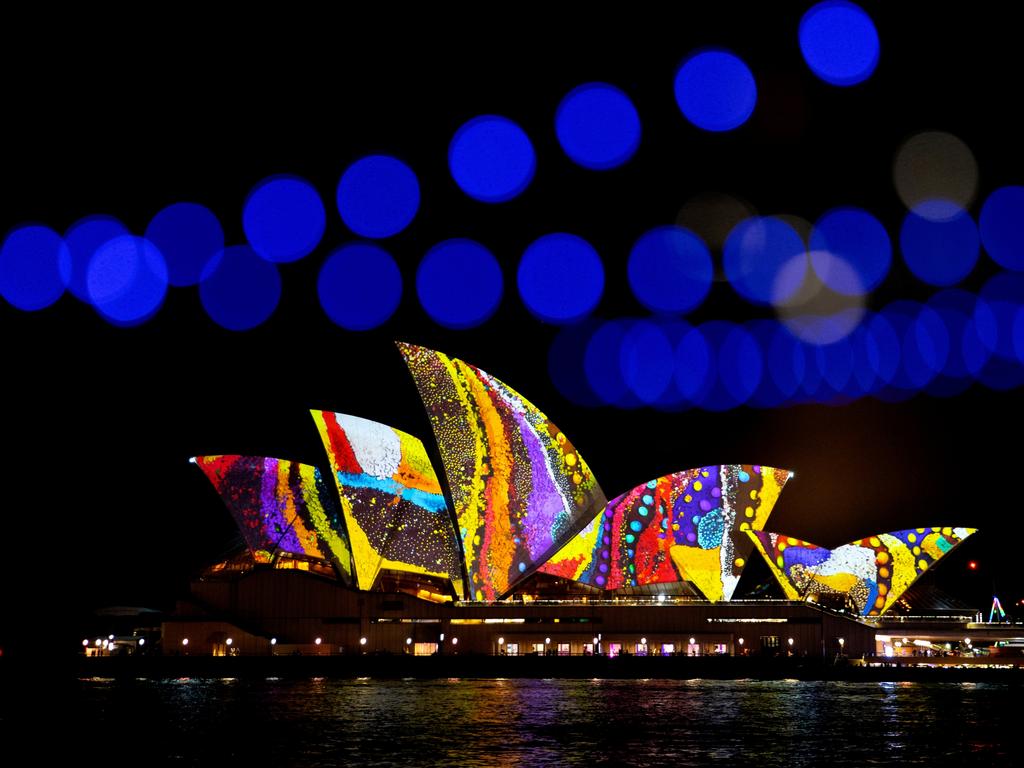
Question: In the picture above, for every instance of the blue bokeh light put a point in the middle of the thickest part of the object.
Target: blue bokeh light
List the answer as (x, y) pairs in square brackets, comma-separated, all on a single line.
[(737, 364), (378, 196), (863, 381), (35, 267), (786, 362), (459, 283), (566, 358), (188, 235), (715, 90), (924, 347), (283, 218), (674, 331), (602, 364), (695, 368), (597, 126), (1018, 334), (835, 363), (1001, 231), (647, 358), (931, 343), (994, 319), (966, 356), (83, 239), (839, 42), (882, 344), (768, 393), (359, 286), (491, 159), (941, 253), (765, 260), (860, 240), (560, 278), (239, 289), (670, 270), (127, 280)]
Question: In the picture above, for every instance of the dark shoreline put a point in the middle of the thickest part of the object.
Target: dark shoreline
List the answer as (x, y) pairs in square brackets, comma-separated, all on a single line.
[(490, 667)]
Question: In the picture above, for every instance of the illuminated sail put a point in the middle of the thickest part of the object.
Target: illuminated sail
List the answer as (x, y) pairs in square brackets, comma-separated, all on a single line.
[(519, 487), (870, 573), (280, 506), (712, 547), (396, 515)]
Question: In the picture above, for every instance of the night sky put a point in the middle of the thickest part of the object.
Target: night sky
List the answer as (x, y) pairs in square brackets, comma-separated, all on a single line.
[(101, 506)]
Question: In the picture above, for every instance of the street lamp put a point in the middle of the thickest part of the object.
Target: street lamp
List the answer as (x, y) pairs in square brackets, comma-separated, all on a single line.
[(318, 640), (362, 641)]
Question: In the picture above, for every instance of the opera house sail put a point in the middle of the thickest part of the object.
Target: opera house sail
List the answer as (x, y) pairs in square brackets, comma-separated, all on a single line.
[(871, 574), (396, 515), (519, 487)]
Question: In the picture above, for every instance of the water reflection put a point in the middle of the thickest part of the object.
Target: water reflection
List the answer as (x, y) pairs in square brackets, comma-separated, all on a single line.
[(551, 722)]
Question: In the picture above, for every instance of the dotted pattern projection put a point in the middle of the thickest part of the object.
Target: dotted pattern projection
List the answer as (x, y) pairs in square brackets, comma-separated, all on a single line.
[(689, 526), (869, 575), (519, 487)]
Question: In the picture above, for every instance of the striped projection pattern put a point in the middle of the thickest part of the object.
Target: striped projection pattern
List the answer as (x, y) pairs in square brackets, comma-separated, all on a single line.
[(870, 574), (688, 525), (396, 515), (280, 506), (519, 487)]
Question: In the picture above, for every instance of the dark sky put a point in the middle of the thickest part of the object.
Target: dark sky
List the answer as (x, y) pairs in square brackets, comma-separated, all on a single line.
[(100, 504)]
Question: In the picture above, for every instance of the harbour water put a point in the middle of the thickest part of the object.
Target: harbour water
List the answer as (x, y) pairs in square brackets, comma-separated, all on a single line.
[(530, 722)]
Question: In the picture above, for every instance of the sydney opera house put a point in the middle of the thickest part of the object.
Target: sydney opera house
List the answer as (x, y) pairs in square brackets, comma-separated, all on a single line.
[(519, 551)]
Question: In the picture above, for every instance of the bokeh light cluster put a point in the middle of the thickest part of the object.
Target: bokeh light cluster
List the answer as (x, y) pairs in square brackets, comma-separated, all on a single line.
[(820, 339), (939, 347)]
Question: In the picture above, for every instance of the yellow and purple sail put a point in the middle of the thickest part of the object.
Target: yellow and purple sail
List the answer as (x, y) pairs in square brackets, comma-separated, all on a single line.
[(519, 487), (689, 526), (280, 506), (396, 514), (871, 574)]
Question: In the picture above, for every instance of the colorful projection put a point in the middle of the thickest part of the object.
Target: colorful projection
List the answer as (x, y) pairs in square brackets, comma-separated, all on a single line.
[(280, 506), (396, 515), (870, 573), (519, 487), (712, 545), (690, 523)]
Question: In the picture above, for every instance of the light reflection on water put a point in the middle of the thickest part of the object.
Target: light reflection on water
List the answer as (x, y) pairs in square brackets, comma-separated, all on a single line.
[(552, 722)]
